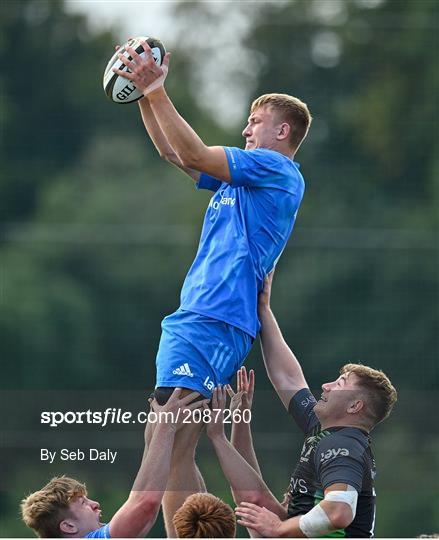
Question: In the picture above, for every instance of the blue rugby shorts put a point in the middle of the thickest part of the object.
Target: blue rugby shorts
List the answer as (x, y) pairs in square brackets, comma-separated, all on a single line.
[(198, 352)]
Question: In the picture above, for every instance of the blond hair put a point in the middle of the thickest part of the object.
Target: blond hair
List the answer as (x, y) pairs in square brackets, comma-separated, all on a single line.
[(381, 394), (204, 516), (291, 110), (44, 510)]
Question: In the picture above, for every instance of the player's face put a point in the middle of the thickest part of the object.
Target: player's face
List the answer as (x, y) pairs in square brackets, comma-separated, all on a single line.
[(261, 130), (85, 514), (337, 396)]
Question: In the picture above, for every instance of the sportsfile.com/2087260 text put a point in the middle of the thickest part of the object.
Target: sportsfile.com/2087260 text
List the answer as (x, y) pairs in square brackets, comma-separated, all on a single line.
[(111, 416)]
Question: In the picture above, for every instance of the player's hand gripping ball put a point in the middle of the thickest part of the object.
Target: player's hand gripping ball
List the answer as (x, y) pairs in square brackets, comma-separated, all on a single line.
[(118, 88)]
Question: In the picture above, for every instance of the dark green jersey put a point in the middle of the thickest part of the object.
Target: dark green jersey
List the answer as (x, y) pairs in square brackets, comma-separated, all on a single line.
[(332, 456)]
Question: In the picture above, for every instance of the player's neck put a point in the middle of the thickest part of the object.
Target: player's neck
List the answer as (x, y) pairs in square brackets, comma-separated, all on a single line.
[(327, 424), (282, 149), (285, 152)]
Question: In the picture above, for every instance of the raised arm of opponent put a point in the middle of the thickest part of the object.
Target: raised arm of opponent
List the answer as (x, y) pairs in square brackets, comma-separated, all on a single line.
[(282, 366), (192, 153)]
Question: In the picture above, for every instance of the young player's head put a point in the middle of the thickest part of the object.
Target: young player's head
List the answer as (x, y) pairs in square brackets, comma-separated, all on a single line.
[(277, 121), (61, 509), (361, 396), (205, 516)]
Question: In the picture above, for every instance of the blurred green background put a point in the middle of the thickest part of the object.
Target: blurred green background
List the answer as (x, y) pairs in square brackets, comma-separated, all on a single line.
[(97, 233)]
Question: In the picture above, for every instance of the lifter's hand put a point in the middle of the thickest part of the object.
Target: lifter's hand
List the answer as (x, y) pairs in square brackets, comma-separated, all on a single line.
[(146, 75), (176, 408), (215, 427), (245, 387)]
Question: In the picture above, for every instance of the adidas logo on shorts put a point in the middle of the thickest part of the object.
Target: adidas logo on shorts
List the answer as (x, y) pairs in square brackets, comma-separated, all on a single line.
[(184, 369)]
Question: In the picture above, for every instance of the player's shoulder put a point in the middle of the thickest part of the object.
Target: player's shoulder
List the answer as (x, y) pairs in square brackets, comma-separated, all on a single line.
[(102, 532), (269, 155), (265, 154), (352, 435), (283, 166)]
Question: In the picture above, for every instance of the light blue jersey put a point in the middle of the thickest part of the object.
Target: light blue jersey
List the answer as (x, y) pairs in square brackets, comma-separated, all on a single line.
[(103, 532), (247, 224), (246, 227)]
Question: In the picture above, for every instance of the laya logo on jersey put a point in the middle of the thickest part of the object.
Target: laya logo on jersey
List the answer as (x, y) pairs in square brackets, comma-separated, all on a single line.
[(333, 453), (226, 201), (208, 383)]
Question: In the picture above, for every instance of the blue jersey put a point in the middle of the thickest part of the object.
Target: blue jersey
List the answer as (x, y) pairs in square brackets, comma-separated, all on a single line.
[(246, 227), (103, 532)]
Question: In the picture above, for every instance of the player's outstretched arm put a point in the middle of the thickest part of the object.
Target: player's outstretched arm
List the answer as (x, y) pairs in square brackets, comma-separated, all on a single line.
[(282, 366), (156, 135), (149, 78), (242, 400), (190, 149), (160, 141), (245, 482), (138, 514)]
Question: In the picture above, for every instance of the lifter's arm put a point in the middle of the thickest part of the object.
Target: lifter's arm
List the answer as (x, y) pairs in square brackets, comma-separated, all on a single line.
[(242, 400), (138, 514), (246, 484), (282, 366)]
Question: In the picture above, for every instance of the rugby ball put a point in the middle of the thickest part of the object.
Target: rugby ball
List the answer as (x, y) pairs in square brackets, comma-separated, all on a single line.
[(119, 89)]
